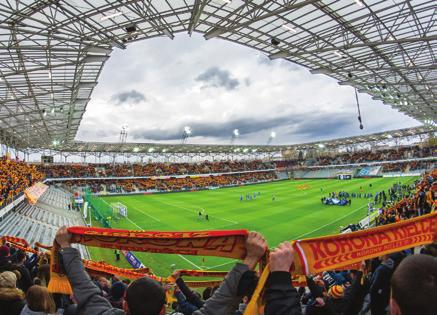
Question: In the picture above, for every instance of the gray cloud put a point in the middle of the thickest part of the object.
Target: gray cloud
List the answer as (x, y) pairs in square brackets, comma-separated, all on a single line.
[(131, 97), (216, 77), (313, 125)]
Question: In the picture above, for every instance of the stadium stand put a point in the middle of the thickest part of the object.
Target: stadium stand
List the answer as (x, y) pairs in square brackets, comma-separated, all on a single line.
[(15, 177), (38, 223)]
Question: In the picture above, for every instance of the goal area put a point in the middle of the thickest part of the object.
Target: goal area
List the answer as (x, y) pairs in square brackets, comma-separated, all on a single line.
[(119, 208)]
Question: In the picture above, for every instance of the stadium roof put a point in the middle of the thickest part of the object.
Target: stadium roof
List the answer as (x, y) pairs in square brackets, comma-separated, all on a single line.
[(52, 51), (159, 148)]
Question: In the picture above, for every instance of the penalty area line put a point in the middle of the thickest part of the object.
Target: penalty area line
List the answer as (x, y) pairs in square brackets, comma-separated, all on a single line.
[(190, 262), (150, 216), (186, 259)]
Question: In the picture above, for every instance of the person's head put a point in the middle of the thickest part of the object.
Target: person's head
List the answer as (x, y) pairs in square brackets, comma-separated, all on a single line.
[(44, 274), (145, 296), (39, 299), (414, 286), (118, 290), (4, 251), (8, 279), (103, 282), (336, 292), (20, 256)]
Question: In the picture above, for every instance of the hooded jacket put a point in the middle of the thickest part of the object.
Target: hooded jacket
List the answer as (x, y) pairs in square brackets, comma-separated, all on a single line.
[(27, 311), (11, 301)]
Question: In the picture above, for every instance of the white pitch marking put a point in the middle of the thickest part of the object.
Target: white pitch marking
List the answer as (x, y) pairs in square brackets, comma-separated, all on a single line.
[(189, 261), (150, 216)]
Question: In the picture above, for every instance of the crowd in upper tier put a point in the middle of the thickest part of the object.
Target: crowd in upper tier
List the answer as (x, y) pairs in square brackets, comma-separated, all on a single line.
[(391, 154), (15, 177), (171, 184), (151, 169)]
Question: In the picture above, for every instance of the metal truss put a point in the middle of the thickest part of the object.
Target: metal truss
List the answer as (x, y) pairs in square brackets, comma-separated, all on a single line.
[(52, 51)]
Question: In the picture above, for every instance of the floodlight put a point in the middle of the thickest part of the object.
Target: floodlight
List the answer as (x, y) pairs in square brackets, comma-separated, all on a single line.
[(288, 28), (321, 145), (110, 16), (164, 150), (245, 150), (136, 149), (187, 130), (236, 132), (389, 136), (253, 150), (151, 150), (273, 135)]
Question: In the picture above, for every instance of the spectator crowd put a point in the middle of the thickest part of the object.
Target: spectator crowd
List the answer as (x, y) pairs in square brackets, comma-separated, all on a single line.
[(15, 177)]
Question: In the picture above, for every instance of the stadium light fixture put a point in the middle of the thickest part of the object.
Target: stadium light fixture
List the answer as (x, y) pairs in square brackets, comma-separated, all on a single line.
[(339, 54), (236, 132), (254, 150), (289, 28), (151, 150), (111, 16), (389, 136), (321, 145), (136, 149), (164, 150), (187, 130), (245, 150), (273, 135)]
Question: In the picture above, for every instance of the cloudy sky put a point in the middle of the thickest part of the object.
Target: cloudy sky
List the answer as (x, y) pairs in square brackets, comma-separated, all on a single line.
[(158, 86)]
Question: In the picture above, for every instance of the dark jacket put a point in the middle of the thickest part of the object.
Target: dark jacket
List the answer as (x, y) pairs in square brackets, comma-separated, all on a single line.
[(184, 306), (87, 294), (380, 287), (11, 301), (225, 299), (280, 295), (189, 295)]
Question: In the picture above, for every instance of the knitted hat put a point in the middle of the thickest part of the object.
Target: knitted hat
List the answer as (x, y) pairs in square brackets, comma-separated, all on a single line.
[(4, 251), (117, 290), (8, 279), (336, 291)]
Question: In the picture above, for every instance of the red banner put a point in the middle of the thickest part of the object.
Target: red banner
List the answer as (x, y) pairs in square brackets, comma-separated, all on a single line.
[(319, 254), (229, 244)]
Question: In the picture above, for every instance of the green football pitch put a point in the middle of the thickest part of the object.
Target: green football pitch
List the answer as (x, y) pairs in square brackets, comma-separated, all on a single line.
[(295, 213)]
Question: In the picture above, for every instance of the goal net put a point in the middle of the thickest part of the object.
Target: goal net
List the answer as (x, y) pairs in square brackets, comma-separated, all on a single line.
[(120, 209)]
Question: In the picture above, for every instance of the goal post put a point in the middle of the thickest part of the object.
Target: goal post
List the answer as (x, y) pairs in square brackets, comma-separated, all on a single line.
[(119, 209)]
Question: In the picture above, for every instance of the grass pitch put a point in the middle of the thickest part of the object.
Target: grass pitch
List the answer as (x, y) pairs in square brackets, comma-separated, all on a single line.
[(296, 213)]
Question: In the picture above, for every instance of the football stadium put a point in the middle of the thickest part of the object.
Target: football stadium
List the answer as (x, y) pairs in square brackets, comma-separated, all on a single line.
[(218, 157)]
